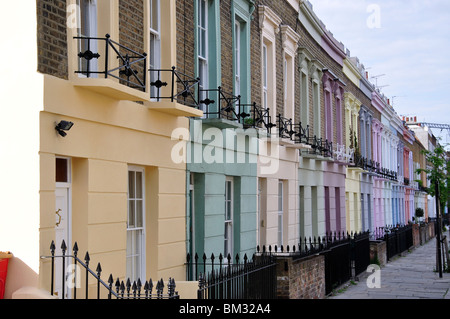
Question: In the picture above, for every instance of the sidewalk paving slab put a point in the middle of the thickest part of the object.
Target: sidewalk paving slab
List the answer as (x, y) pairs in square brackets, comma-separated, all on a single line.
[(409, 276)]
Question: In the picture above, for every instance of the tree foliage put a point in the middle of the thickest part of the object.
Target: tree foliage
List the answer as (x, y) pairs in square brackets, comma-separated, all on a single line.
[(437, 174)]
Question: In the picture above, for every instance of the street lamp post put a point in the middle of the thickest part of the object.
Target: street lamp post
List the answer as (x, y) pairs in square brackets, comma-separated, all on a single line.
[(438, 234)]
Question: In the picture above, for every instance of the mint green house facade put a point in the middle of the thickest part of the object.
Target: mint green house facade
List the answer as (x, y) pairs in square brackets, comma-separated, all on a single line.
[(221, 154)]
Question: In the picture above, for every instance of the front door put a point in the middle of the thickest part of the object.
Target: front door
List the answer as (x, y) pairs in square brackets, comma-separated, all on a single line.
[(62, 223)]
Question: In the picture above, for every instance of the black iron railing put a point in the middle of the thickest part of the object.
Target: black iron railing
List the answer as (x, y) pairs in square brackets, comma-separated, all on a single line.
[(398, 238), (345, 254), (132, 67), (183, 88), (285, 128), (302, 134), (220, 104), (375, 168), (259, 118), (225, 278), (320, 147), (113, 288)]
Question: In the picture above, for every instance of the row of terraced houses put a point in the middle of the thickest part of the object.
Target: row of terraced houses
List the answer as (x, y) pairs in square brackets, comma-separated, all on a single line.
[(154, 129)]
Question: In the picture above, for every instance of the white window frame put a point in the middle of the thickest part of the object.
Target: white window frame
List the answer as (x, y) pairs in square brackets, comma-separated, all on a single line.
[(229, 211), (270, 27), (65, 186), (91, 15), (137, 232), (154, 42), (203, 50), (285, 80), (280, 217), (317, 109), (265, 71), (237, 52), (304, 98), (192, 247)]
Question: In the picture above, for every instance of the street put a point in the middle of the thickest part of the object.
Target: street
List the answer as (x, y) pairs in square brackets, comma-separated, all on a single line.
[(410, 276)]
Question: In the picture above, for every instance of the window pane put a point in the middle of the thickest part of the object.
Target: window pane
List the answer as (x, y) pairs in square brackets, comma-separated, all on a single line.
[(203, 43), (280, 229), (265, 65), (280, 196), (139, 213), (202, 13), (154, 7), (131, 184), (138, 184), (202, 28), (228, 210), (62, 173), (131, 214), (237, 45)]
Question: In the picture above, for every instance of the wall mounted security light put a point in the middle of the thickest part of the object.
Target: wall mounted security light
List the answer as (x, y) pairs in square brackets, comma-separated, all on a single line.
[(63, 126)]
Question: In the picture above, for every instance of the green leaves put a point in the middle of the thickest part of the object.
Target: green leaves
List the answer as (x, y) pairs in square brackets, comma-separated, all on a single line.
[(437, 173)]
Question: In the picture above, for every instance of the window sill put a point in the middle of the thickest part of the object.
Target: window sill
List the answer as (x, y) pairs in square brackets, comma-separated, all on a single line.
[(173, 108), (222, 123), (291, 144), (110, 88)]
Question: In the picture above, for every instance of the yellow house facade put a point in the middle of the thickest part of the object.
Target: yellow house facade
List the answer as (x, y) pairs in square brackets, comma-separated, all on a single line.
[(104, 140), (353, 175)]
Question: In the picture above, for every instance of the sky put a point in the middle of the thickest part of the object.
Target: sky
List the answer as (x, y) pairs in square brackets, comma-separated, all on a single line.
[(404, 45)]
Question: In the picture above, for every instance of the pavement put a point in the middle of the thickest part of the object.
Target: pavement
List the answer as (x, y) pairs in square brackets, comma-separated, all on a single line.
[(411, 275)]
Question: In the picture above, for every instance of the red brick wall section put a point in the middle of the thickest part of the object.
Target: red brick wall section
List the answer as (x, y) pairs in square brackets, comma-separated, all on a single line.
[(131, 30), (378, 251), (52, 38), (301, 279)]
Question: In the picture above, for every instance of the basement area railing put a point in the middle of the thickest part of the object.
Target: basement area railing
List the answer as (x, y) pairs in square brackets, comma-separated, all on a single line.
[(226, 278), (69, 266)]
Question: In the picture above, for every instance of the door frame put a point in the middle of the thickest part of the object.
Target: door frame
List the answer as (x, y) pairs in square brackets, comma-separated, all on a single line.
[(67, 232)]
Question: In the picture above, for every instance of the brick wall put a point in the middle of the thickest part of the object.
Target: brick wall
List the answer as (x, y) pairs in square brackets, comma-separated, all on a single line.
[(52, 33), (185, 55), (185, 36), (131, 30), (416, 235), (131, 24), (301, 279), (227, 46), (378, 251), (352, 88), (52, 38), (288, 16)]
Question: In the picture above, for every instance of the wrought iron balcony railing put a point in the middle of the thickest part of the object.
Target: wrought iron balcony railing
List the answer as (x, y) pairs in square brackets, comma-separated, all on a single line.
[(183, 88), (344, 154), (375, 168), (222, 105), (259, 118), (302, 134), (285, 128), (320, 147), (132, 65)]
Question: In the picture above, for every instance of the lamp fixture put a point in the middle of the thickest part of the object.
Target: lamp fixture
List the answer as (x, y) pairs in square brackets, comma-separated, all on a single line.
[(63, 126)]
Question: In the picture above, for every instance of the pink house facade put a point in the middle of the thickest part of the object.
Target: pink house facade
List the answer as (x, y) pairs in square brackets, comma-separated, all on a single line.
[(408, 175), (335, 172), (378, 207)]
